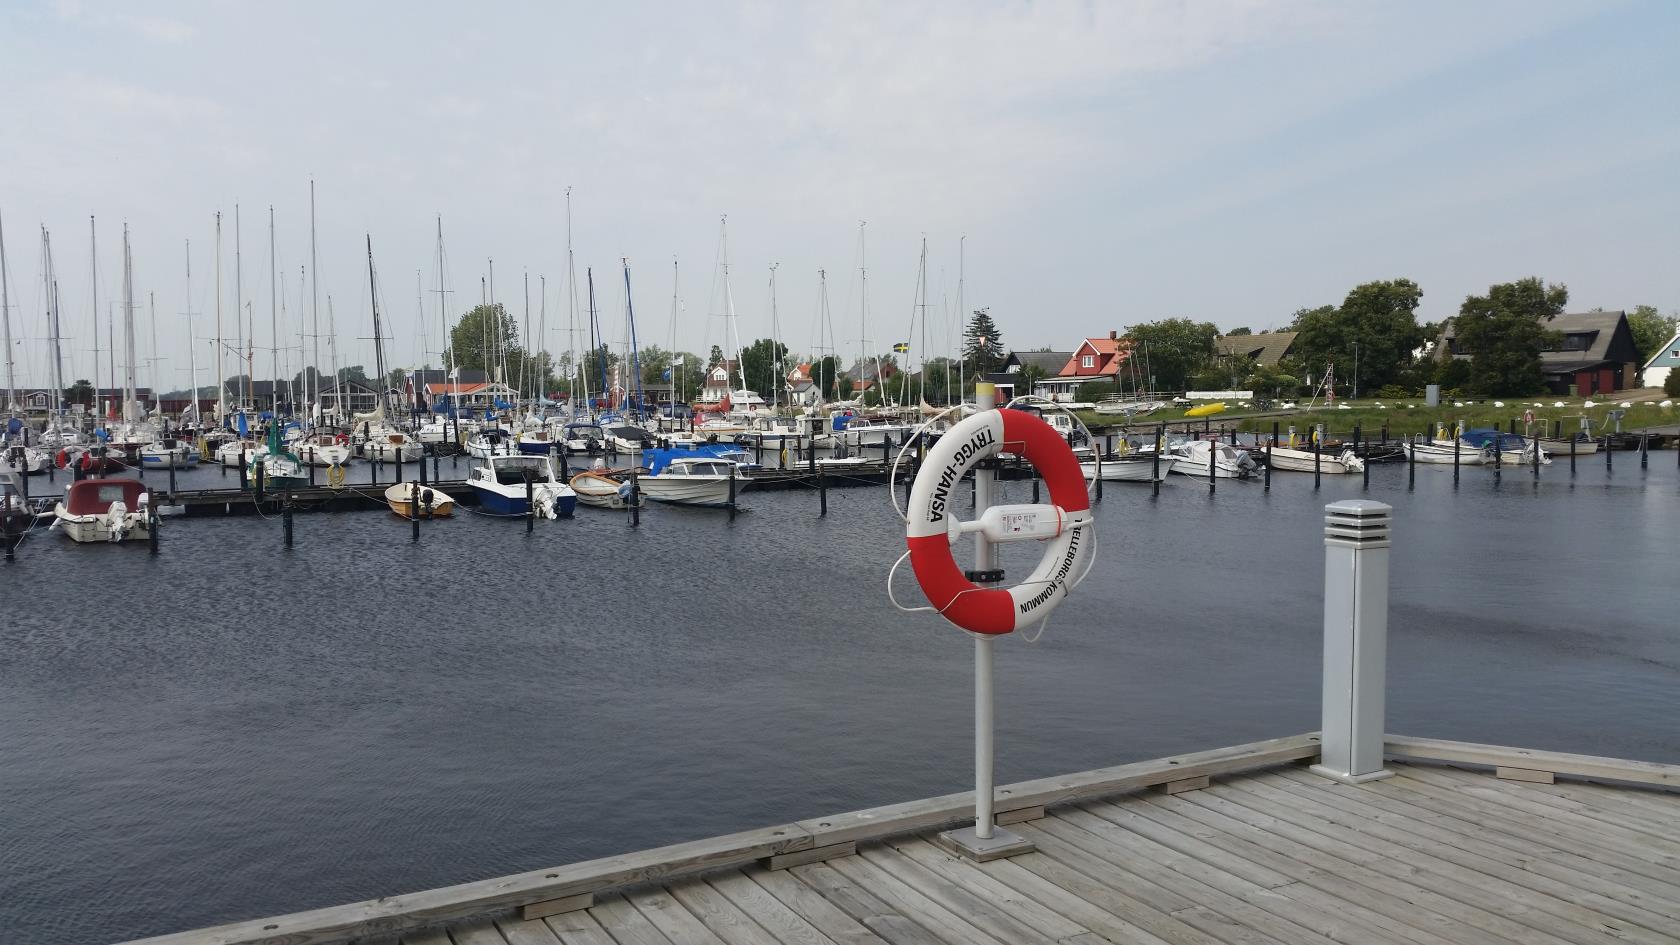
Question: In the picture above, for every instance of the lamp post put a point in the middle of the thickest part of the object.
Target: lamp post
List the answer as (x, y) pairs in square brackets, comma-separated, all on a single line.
[(1356, 370)]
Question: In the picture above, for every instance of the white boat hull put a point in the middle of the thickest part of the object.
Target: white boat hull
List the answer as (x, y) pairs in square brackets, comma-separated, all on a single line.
[(1435, 454), (1329, 464), (31, 462), (313, 455), (676, 489), (103, 529), (1140, 469), (1561, 447), (432, 503), (383, 452)]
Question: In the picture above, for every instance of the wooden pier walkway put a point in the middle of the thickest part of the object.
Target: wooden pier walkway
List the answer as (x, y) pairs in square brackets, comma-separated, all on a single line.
[(1236, 845)]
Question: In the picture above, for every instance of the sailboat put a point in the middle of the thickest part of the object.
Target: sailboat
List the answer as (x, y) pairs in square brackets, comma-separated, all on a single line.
[(16, 454)]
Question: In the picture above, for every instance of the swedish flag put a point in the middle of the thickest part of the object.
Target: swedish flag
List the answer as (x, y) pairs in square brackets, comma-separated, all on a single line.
[(903, 347)]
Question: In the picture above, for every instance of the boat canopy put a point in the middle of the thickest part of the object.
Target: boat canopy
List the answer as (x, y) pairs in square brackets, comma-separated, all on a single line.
[(94, 496), (1484, 437), (657, 459)]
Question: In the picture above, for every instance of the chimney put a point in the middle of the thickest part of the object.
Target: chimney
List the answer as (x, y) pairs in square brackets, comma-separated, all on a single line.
[(1113, 335)]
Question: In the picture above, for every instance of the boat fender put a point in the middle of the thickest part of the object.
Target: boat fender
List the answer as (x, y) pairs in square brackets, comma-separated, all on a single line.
[(1070, 543)]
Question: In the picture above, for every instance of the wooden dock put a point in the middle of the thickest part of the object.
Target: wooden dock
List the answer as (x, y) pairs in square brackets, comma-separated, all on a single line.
[(1235, 845)]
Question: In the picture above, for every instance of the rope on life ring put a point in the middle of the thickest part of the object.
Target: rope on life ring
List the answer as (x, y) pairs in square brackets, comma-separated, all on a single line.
[(1065, 525), (335, 475)]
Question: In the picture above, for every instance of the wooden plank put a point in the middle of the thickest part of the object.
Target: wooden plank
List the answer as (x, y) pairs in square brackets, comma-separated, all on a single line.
[(1099, 909), (577, 928), (1524, 774), (950, 809), (787, 926), (1378, 813), (1659, 813), (412, 910), (782, 861), (1224, 905), (1186, 784), (527, 932), (537, 910), (477, 932), (718, 914), (809, 905), (1367, 884), (938, 867), (876, 914), (1325, 898), (910, 902), (625, 923), (1493, 756), (1544, 914), (1511, 800), (426, 937), (1020, 815), (671, 918)]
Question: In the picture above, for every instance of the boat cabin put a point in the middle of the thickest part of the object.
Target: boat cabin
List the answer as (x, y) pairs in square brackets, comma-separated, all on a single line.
[(512, 469), (94, 496)]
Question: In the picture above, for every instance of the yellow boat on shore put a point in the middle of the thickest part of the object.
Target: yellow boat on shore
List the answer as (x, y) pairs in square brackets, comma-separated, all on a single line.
[(1205, 410)]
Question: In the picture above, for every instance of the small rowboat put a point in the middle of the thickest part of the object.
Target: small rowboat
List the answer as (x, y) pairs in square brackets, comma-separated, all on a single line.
[(1205, 410), (602, 491), (433, 503)]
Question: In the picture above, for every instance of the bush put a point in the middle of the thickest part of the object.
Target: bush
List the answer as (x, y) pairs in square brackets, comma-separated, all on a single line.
[(1671, 384), (1091, 392), (1394, 392)]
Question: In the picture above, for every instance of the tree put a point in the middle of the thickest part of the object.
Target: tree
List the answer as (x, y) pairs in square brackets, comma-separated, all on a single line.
[(80, 392), (1651, 330), (825, 374), (715, 359), (982, 343), (1671, 383), (843, 387), (1244, 330), (1030, 376), (1378, 317), (482, 337), (1505, 331), (763, 365), (1174, 349)]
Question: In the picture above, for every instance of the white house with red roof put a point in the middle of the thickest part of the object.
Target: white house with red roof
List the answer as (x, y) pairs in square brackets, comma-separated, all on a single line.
[(1095, 359)]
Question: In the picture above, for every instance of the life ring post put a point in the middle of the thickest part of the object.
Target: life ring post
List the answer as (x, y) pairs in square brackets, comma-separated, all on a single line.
[(985, 840)]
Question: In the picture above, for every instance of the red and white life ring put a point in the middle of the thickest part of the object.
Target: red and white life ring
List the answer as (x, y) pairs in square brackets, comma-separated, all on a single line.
[(930, 517), (62, 458)]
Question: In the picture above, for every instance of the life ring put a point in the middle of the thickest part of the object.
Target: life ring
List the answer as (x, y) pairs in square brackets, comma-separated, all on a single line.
[(1070, 538), (341, 440), (62, 459), (335, 475), (87, 462)]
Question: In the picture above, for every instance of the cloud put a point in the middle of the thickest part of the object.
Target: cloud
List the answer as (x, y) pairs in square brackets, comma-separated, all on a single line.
[(155, 29), (130, 101)]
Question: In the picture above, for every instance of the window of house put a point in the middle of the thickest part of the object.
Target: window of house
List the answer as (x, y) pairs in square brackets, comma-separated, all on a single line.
[(1088, 360), (1576, 342)]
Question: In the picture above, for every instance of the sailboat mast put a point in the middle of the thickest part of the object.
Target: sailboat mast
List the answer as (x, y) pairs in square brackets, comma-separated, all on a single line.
[(635, 356), (6, 316), (778, 378), (541, 384), (922, 354), (824, 324), (128, 329), (52, 322), (679, 363), (962, 323), (448, 352), (595, 347), (93, 273), (729, 309), (239, 301), (332, 356), (245, 357), (314, 309), (572, 313), (378, 342), (221, 378), (192, 358), (273, 311), (522, 361)]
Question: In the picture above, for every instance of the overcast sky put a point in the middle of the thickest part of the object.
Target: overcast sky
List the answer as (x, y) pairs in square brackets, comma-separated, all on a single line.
[(1109, 163)]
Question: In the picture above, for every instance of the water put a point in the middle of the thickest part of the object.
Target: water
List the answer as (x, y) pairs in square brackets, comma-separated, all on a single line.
[(232, 730)]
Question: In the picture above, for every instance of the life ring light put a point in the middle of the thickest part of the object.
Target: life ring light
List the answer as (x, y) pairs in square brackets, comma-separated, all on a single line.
[(1065, 525)]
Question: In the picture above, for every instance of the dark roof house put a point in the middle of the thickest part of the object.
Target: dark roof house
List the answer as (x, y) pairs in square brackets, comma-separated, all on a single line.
[(1265, 349), (1595, 352)]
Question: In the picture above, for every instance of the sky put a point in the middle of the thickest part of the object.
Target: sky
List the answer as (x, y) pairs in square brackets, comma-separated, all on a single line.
[(1075, 168)]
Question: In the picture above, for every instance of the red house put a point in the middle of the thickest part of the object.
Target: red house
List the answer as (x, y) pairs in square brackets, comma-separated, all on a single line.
[(1096, 359)]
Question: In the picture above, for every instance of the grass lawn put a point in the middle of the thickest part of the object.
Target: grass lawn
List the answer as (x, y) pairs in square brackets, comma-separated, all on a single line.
[(1406, 416)]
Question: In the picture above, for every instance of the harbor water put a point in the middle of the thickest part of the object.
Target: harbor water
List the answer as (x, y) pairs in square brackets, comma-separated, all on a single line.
[(232, 729)]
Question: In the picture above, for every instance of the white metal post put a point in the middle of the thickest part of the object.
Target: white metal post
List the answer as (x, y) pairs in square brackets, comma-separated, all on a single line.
[(984, 841), (1356, 543)]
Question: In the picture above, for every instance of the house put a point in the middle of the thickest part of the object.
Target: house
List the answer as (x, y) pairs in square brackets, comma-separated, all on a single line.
[(1007, 380), (1666, 360), (1262, 350), (1594, 354), (720, 379), (358, 397), (417, 380), (1095, 360), (472, 396)]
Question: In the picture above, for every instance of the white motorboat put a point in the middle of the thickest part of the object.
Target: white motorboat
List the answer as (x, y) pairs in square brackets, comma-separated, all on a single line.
[(1442, 454), (169, 453), (705, 481), (1128, 467), (510, 483), (323, 449), (626, 438), (1193, 457), (234, 452), (861, 432), (104, 510), (490, 442), (390, 446), (1329, 464), (1584, 446), (23, 460)]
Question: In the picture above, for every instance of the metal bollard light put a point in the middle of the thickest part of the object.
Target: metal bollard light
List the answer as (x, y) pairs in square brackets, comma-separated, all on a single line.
[(1356, 549)]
